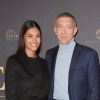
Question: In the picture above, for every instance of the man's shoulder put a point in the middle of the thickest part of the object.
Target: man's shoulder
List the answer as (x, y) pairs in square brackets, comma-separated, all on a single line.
[(53, 49), (85, 48)]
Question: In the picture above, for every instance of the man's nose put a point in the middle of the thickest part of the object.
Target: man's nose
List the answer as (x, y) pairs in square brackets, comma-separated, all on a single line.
[(64, 30)]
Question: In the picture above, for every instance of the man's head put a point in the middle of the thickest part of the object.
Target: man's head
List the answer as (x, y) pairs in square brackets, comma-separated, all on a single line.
[(65, 27)]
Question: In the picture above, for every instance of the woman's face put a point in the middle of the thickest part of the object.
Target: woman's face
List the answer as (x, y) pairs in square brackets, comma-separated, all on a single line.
[(32, 40)]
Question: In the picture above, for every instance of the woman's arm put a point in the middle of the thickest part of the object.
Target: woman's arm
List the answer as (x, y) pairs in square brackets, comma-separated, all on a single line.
[(11, 79)]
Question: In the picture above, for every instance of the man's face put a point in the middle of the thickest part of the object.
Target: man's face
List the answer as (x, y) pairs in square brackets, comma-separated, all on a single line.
[(65, 29)]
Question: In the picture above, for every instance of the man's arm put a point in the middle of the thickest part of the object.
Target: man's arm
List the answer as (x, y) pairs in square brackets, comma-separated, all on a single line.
[(94, 77)]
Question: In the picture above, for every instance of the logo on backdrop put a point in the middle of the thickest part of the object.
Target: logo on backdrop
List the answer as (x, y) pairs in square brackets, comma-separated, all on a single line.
[(97, 37), (98, 34), (11, 35), (2, 83)]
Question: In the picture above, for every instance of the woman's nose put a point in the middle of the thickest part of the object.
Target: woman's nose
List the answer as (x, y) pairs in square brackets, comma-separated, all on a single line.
[(34, 39)]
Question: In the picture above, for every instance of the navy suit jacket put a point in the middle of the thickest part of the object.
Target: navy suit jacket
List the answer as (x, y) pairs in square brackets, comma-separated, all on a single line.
[(84, 73)]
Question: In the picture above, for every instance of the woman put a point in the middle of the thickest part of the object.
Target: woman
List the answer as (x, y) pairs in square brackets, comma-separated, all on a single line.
[(27, 76)]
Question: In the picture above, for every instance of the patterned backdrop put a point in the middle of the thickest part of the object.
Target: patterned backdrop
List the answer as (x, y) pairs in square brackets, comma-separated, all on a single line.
[(14, 12)]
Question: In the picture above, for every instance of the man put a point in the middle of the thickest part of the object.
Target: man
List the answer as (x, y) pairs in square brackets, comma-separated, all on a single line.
[(74, 68)]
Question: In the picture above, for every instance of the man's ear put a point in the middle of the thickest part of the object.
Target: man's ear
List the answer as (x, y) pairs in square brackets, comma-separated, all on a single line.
[(75, 31), (55, 31)]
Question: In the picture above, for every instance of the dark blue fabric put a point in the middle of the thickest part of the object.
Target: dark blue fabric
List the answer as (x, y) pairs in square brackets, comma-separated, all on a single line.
[(84, 73)]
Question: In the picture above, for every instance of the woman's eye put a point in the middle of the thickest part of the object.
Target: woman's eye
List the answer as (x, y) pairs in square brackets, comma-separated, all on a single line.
[(29, 36), (38, 35)]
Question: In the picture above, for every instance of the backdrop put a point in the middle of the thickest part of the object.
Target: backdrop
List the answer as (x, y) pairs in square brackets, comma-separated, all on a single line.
[(14, 12)]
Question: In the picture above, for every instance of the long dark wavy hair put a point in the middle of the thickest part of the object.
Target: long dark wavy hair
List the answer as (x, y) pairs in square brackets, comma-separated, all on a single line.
[(26, 26)]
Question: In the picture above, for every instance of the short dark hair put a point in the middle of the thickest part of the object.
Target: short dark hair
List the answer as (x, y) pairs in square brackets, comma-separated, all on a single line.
[(67, 14), (25, 27)]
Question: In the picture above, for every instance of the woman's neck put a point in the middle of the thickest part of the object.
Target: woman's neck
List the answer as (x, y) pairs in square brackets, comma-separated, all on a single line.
[(31, 54)]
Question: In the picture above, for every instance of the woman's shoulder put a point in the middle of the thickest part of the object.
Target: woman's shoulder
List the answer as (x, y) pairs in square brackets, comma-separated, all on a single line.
[(42, 60), (12, 58), (12, 62)]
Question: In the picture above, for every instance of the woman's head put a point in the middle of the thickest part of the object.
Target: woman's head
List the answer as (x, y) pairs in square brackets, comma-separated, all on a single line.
[(30, 37)]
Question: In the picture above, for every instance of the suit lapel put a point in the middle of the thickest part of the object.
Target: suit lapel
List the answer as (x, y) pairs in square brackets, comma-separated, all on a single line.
[(75, 56), (75, 60), (54, 59)]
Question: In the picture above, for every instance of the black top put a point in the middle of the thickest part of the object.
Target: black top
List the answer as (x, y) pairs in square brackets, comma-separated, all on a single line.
[(26, 78)]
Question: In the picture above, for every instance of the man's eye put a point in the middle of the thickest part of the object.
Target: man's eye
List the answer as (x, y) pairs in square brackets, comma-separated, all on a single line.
[(59, 26), (69, 27)]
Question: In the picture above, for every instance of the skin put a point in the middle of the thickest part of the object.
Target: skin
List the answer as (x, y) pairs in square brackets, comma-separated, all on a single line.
[(65, 29), (32, 41)]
